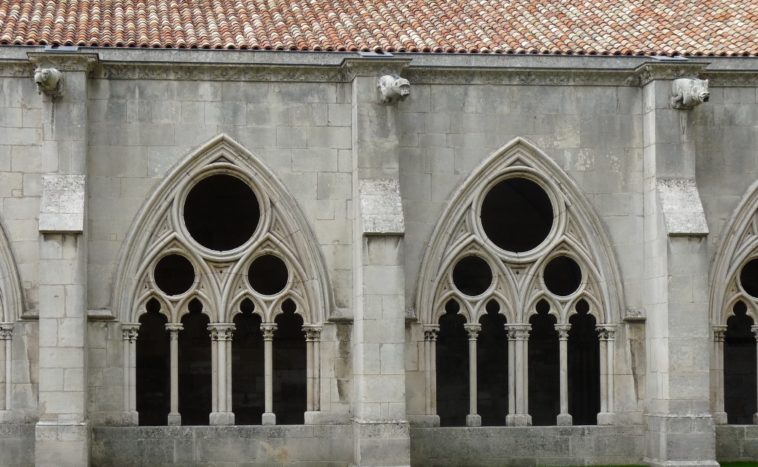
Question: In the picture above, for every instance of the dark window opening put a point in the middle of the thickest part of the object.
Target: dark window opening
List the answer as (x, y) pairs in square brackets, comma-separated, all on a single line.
[(289, 367), (452, 368), (247, 367), (739, 368), (268, 275), (517, 215), (472, 275), (583, 367), (174, 274), (153, 367), (749, 277), (195, 367), (544, 382), (492, 367), (562, 275), (221, 212)]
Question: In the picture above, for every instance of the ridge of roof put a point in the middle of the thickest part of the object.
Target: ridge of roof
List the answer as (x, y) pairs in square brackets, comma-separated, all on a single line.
[(556, 27)]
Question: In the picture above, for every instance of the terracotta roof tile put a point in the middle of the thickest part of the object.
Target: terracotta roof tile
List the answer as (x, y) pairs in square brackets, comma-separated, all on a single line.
[(607, 27)]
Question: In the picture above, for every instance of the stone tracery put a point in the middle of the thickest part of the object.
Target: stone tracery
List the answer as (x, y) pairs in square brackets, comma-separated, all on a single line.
[(220, 281), (732, 300), (518, 277)]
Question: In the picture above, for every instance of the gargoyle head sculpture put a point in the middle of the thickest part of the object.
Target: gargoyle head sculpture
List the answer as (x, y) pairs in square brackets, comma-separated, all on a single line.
[(686, 93), (49, 81), (393, 88)]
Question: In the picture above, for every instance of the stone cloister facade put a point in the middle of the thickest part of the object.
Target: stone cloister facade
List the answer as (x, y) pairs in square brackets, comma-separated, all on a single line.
[(269, 258)]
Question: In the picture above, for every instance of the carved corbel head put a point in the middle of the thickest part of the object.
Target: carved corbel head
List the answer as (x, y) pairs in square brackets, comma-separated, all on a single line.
[(49, 81), (393, 88), (687, 93)]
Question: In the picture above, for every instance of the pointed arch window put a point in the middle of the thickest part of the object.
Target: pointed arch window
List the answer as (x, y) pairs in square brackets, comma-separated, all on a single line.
[(734, 308), (521, 294), (221, 258)]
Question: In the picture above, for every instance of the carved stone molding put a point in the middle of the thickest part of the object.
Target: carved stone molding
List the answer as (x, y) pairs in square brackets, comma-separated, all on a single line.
[(473, 330), (563, 331), (16, 69), (606, 332), (511, 76), (518, 332), (312, 333), (222, 331), (431, 332), (217, 72), (174, 328)]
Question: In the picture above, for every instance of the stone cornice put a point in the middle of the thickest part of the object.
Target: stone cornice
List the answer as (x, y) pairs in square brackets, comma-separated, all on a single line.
[(65, 61), (372, 67), (667, 70), (521, 76)]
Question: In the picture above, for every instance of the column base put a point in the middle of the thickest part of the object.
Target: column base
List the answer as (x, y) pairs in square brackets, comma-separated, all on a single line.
[(473, 420), (720, 418), (564, 419), (606, 418), (61, 445), (384, 443), (268, 418), (174, 419), (221, 418), (518, 420)]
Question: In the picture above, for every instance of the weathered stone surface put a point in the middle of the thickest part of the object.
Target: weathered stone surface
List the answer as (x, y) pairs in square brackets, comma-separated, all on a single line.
[(62, 205)]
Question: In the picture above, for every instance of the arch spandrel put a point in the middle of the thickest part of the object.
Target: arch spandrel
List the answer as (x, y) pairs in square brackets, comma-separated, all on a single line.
[(160, 213), (738, 244), (575, 223)]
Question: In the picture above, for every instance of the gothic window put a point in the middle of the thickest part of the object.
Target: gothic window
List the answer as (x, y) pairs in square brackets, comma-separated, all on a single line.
[(518, 300), (223, 296), (734, 304)]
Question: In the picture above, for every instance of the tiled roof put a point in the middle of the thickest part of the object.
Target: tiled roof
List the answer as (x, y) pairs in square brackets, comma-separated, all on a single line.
[(612, 27)]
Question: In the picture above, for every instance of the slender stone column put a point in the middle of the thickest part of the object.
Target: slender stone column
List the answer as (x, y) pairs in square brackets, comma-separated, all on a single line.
[(754, 328), (313, 372), (473, 418), (6, 335), (221, 337), (129, 333), (174, 417), (519, 333), (509, 418), (719, 412), (431, 331), (607, 334), (564, 418), (269, 418)]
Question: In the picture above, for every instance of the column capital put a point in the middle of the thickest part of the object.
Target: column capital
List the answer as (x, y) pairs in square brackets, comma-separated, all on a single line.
[(268, 330), (754, 329), (174, 328), (312, 332), (719, 332), (221, 331), (563, 331), (431, 331), (129, 331), (606, 332), (6, 331), (473, 330), (518, 332)]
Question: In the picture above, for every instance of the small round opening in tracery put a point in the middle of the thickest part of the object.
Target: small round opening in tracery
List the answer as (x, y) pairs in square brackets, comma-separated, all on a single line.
[(472, 276), (562, 276), (174, 274), (268, 274)]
